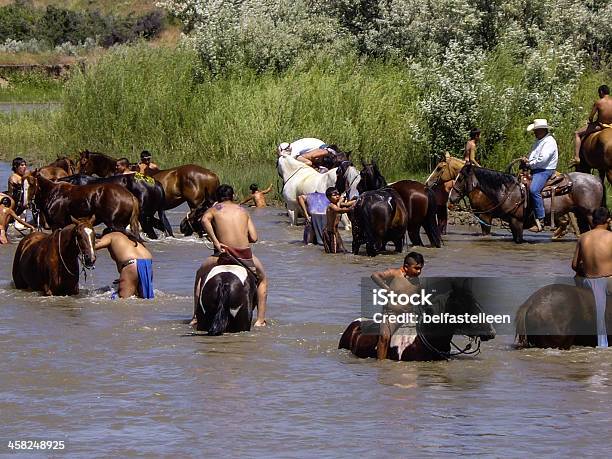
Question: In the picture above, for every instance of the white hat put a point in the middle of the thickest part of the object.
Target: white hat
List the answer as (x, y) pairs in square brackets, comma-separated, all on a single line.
[(284, 147), (539, 123)]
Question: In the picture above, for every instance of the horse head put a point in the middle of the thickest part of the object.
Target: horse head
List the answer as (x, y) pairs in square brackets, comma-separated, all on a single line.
[(84, 165), (460, 302), (192, 223), (464, 184), (371, 178), (85, 238), (445, 170)]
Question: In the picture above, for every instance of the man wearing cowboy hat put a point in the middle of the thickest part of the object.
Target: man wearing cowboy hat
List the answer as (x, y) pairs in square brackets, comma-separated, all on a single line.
[(543, 162)]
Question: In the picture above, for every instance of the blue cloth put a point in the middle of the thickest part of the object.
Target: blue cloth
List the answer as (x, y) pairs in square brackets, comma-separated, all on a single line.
[(316, 203), (599, 287), (539, 177), (145, 278)]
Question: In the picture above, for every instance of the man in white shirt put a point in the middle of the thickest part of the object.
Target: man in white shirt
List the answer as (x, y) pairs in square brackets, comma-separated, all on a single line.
[(543, 162)]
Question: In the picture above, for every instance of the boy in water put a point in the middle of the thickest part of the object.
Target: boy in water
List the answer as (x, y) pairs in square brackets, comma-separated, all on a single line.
[(6, 215), (134, 264), (258, 197), (332, 241), (399, 280)]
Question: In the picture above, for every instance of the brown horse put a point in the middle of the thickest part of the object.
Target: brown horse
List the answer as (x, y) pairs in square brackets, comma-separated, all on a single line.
[(52, 172), (66, 164), (430, 341), (190, 182), (93, 163), (559, 316), (596, 153), (49, 263), (419, 202), (58, 202)]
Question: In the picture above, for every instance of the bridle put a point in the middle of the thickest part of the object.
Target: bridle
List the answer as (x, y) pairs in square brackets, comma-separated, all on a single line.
[(80, 256)]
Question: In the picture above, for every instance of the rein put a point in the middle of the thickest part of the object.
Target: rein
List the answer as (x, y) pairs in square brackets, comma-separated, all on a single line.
[(496, 206), (80, 256)]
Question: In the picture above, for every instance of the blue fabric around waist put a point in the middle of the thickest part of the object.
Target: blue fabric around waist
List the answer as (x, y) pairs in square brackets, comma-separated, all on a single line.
[(145, 278), (317, 203)]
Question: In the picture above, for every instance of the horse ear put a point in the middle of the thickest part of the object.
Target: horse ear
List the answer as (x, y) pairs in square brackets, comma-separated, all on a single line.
[(74, 220), (92, 220), (363, 164)]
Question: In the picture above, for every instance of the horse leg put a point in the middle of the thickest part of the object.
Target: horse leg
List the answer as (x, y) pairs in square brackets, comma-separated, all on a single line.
[(399, 244), (485, 228), (415, 235), (147, 226), (371, 248), (516, 226), (166, 223), (442, 214), (346, 222)]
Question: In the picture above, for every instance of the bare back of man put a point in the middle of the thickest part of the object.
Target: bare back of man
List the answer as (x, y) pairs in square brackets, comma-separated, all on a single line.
[(594, 253), (231, 229), (125, 252), (599, 118)]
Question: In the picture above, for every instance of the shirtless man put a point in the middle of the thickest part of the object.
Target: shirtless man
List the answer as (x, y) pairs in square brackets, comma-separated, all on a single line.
[(20, 170), (145, 166), (332, 241), (469, 153), (123, 167), (134, 264), (603, 110), (231, 229), (6, 215), (257, 196), (593, 261), (306, 150), (399, 280)]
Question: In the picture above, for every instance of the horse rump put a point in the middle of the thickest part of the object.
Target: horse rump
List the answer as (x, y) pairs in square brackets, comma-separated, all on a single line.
[(430, 224)]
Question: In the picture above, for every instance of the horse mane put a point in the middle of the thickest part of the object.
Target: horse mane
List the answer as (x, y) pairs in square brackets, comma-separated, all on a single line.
[(490, 181)]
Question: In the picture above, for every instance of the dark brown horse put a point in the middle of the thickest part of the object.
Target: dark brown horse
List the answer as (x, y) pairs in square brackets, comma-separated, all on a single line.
[(66, 164), (596, 153), (379, 216), (430, 341), (93, 163), (559, 316), (49, 263), (58, 202), (52, 172), (190, 182), (511, 202), (419, 201)]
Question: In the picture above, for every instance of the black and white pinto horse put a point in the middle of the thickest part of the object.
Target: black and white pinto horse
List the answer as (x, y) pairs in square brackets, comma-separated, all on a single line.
[(227, 300)]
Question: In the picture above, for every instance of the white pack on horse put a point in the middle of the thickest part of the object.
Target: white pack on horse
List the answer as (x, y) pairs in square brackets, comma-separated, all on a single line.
[(298, 179)]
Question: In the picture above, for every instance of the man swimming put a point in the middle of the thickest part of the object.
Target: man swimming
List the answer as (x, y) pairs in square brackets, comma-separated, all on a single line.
[(257, 196), (231, 230), (6, 215), (134, 264), (593, 261)]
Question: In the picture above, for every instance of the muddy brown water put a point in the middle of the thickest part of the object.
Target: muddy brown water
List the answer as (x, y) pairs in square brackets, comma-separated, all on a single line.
[(127, 378)]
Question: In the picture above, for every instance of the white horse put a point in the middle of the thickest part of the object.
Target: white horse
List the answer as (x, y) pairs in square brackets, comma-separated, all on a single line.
[(299, 178), (350, 180)]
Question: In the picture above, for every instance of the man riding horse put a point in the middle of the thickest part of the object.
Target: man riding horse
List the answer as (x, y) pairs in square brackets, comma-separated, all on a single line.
[(602, 109), (313, 152), (543, 163)]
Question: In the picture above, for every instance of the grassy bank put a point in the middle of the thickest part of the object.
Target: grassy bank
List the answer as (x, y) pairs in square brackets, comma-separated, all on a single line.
[(160, 99)]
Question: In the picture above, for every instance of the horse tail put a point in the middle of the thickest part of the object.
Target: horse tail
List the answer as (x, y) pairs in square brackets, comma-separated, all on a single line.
[(431, 224), (134, 219), (520, 338), (219, 323)]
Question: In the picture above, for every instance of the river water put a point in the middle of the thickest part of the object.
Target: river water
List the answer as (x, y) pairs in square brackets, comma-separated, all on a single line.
[(128, 378)]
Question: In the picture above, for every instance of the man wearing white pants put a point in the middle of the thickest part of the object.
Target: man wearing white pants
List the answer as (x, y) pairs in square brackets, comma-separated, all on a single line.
[(593, 260)]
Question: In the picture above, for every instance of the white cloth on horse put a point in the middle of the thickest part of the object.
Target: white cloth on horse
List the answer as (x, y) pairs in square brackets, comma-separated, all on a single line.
[(238, 271), (302, 146), (599, 287), (401, 341)]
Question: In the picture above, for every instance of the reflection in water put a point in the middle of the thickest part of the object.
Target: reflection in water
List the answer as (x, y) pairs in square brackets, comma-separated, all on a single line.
[(129, 377)]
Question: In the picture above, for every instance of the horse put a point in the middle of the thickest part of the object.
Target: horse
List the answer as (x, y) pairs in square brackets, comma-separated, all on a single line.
[(596, 153), (511, 201), (58, 202), (52, 172), (227, 300), (66, 164), (298, 179), (431, 341), (93, 163), (49, 263), (348, 179), (190, 182), (148, 192), (419, 201), (559, 316), (379, 216), (192, 222)]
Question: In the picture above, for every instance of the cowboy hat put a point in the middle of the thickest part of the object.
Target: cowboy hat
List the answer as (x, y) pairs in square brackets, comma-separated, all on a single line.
[(539, 123)]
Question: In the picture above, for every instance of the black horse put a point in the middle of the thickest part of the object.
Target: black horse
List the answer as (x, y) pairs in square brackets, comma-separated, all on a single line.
[(148, 192), (227, 300), (192, 223), (371, 178), (431, 341)]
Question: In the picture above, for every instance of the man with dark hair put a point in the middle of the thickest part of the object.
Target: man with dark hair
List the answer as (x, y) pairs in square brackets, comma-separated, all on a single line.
[(134, 264), (602, 108), (257, 196), (146, 166), (403, 280), (6, 215), (332, 241), (123, 167), (469, 153), (593, 262), (231, 230), (20, 170)]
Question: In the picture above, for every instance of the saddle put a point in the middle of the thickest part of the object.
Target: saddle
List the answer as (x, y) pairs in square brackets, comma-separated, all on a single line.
[(558, 184)]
